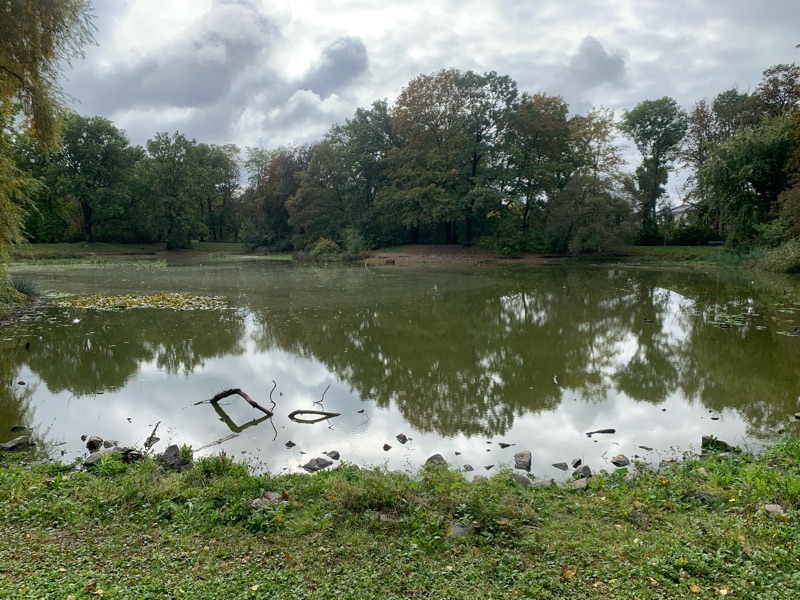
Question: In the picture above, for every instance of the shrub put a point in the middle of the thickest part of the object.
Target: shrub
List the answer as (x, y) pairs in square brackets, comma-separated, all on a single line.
[(783, 259), (326, 249), (25, 286)]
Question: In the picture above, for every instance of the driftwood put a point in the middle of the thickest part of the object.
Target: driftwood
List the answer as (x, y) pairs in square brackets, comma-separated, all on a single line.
[(219, 441), (151, 441), (321, 413), (248, 399), (591, 433)]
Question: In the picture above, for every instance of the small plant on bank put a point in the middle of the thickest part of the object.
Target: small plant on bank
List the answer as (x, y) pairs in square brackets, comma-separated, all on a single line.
[(25, 286)]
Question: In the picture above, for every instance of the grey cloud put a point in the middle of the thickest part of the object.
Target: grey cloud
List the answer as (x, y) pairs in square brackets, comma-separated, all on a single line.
[(343, 61), (592, 66), (197, 70)]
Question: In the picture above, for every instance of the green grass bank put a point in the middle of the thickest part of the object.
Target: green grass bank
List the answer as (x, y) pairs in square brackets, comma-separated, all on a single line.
[(697, 528)]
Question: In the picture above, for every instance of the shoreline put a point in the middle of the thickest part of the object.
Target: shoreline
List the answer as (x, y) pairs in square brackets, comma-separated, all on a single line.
[(720, 525)]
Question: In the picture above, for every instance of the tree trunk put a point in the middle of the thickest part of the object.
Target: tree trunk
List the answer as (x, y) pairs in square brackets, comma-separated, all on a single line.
[(88, 223)]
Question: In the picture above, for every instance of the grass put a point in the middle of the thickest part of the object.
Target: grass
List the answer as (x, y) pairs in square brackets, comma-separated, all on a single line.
[(134, 531), (99, 251)]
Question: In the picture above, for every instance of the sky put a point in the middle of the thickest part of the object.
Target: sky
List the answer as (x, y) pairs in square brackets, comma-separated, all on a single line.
[(270, 73)]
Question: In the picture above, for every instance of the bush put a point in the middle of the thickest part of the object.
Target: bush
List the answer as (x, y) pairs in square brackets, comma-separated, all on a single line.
[(326, 249), (783, 259)]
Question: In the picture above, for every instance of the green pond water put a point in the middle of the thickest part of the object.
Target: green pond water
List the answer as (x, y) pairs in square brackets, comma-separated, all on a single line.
[(458, 362)]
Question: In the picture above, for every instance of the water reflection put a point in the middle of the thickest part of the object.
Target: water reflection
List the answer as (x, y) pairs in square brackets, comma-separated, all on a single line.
[(543, 355)]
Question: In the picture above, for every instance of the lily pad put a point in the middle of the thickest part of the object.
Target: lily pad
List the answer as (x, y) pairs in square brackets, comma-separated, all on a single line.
[(176, 301)]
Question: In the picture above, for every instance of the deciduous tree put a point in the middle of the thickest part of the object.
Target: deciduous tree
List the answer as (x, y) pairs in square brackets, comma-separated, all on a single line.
[(656, 127)]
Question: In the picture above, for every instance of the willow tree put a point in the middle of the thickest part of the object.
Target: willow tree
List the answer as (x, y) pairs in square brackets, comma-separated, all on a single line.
[(36, 40)]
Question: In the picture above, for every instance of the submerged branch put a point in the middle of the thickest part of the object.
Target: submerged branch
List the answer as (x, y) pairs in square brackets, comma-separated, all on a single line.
[(322, 415), (248, 399)]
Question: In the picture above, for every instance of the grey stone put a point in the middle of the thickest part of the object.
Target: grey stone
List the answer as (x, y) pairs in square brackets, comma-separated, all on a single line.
[(561, 465), (548, 482), (576, 462), (402, 438), (386, 447), (290, 444), (334, 454), (459, 530), (110, 443), (17, 428), (505, 445), (772, 509), (522, 460), (436, 459), (130, 455), (95, 457), (620, 460), (171, 459), (94, 442), (668, 460), (521, 479), (629, 478), (580, 484), (317, 464), (18, 443), (267, 499), (487, 467), (468, 468), (582, 471)]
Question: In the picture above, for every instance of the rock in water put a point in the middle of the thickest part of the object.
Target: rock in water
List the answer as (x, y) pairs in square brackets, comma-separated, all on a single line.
[(436, 459), (620, 460), (93, 443), (582, 471), (18, 443), (522, 460), (316, 464), (401, 437)]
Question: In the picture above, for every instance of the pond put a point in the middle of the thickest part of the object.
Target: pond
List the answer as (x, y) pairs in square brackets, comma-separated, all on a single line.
[(457, 362)]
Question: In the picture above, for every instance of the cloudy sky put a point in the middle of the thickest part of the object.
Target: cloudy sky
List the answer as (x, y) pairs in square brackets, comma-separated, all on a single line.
[(275, 72)]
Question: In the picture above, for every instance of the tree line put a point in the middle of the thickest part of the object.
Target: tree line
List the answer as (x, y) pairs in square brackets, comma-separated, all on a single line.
[(458, 157)]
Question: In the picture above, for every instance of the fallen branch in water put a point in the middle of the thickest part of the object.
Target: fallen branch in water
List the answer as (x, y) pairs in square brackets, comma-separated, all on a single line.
[(151, 441), (219, 441), (321, 413), (238, 392)]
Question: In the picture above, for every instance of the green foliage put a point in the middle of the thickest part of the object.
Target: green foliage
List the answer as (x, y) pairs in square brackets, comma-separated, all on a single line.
[(783, 259), (326, 249), (657, 128), (36, 40), (589, 216), (745, 175), (25, 286)]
